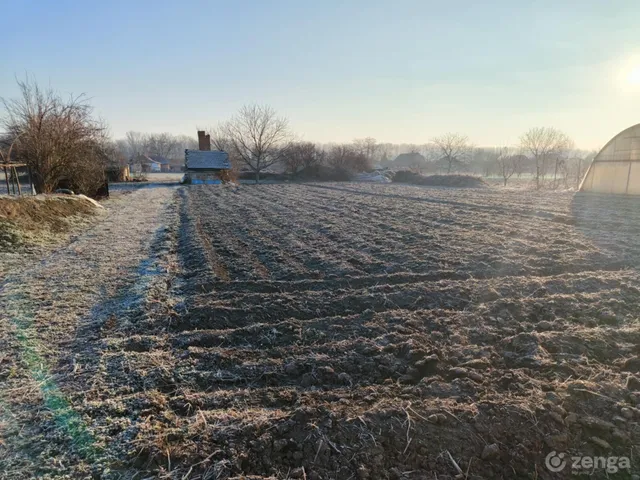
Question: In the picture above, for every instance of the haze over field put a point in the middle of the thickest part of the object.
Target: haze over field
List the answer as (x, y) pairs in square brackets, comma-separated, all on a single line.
[(401, 72)]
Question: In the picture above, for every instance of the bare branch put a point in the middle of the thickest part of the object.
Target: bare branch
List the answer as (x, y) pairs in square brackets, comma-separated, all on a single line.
[(255, 136), (545, 144), (454, 148)]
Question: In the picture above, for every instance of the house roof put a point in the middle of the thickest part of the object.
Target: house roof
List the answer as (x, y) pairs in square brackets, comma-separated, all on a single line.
[(206, 159)]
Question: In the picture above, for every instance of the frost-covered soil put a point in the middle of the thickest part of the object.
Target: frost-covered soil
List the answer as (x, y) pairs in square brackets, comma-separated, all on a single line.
[(51, 305), (328, 331)]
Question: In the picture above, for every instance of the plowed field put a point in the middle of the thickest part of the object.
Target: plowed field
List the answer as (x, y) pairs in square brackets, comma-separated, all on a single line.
[(343, 331)]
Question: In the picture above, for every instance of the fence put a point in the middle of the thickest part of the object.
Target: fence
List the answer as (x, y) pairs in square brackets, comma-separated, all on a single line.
[(15, 179)]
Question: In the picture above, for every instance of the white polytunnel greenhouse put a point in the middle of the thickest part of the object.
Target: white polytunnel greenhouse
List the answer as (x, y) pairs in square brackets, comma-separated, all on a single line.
[(616, 169)]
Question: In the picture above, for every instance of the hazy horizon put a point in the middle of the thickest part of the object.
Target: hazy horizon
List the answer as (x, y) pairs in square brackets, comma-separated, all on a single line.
[(401, 73)]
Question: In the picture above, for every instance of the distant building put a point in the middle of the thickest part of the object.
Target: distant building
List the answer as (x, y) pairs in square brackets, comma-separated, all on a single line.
[(150, 163), (205, 165), (160, 161)]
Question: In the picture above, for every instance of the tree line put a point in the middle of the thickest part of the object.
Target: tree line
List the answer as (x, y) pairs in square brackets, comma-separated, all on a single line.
[(61, 140)]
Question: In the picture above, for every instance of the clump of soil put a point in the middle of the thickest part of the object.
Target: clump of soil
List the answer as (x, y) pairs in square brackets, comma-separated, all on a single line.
[(40, 219), (466, 181)]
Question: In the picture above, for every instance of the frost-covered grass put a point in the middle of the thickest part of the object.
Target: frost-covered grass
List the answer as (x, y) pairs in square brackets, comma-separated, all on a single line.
[(50, 305)]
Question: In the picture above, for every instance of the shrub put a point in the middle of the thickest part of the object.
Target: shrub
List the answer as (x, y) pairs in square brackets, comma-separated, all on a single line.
[(58, 139), (228, 176)]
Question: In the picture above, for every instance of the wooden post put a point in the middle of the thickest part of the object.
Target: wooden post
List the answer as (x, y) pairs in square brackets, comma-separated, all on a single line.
[(30, 181), (6, 179), (15, 173), (13, 185)]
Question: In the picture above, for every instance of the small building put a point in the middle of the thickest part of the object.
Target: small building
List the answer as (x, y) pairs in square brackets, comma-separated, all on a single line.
[(149, 163), (205, 165), (616, 168), (159, 161)]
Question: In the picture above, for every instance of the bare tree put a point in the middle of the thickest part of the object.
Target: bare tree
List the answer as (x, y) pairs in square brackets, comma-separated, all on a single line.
[(136, 142), (299, 155), (256, 136), (123, 148), (573, 167), (220, 141), (186, 142), (163, 144), (454, 148), (508, 163), (368, 147), (347, 159), (115, 153), (544, 144), (219, 138), (58, 139)]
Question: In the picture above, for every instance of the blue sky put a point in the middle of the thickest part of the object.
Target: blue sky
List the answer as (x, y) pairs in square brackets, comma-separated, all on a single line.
[(400, 71)]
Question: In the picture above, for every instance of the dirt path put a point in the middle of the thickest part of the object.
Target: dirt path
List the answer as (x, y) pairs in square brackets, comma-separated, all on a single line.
[(47, 315)]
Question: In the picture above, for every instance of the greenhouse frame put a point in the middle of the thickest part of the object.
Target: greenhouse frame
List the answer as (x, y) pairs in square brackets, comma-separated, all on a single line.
[(616, 168)]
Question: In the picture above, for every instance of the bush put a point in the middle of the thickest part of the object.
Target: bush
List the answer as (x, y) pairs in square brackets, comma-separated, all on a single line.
[(57, 138), (460, 181), (406, 176), (228, 176), (347, 158)]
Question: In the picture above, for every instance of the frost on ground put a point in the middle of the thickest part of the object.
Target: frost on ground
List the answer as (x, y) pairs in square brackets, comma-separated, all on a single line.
[(50, 310), (30, 226), (328, 331)]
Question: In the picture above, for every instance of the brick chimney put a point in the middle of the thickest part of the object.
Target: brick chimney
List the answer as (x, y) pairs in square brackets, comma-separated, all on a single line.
[(204, 141)]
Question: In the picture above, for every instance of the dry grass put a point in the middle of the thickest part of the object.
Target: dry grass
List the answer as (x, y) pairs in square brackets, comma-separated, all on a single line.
[(41, 219)]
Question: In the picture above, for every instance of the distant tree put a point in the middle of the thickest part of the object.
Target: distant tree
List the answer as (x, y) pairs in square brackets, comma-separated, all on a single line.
[(136, 142), (219, 138), (186, 142), (58, 139), (300, 155), (454, 149), (545, 144), (219, 141), (256, 136), (346, 158), (574, 166), (116, 153), (507, 162), (163, 144), (387, 151), (123, 148), (368, 147), (484, 160)]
